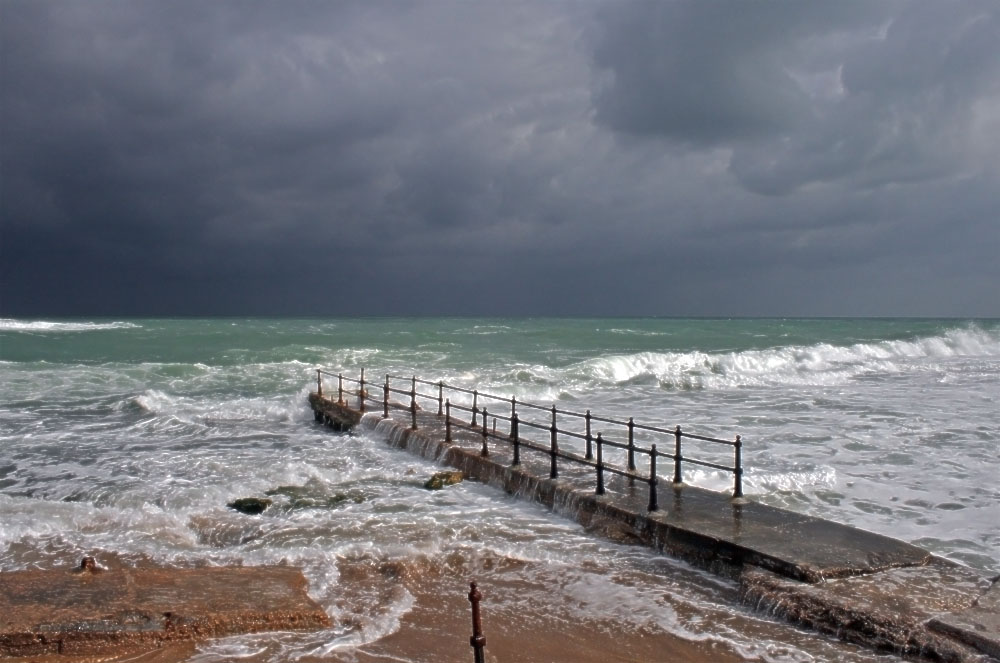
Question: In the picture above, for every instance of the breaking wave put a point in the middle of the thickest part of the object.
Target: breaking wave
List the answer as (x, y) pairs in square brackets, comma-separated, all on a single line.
[(819, 364), (9, 324)]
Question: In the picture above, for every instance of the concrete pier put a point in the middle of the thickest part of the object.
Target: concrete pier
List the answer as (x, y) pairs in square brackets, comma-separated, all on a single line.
[(860, 586)]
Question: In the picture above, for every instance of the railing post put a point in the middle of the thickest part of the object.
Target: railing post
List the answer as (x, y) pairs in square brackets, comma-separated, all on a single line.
[(385, 398), (485, 451), (475, 401), (361, 391), (340, 389), (738, 451), (413, 404), (554, 447), (677, 457), (653, 505), (517, 442), (447, 421), (440, 397), (319, 382), (513, 411), (478, 640), (631, 444), (600, 465), (590, 445)]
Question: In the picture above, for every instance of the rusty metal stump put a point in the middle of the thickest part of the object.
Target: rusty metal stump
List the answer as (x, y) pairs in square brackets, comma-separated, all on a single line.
[(94, 611)]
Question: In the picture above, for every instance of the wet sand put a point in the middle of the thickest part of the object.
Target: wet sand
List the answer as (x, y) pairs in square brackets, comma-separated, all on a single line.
[(439, 625)]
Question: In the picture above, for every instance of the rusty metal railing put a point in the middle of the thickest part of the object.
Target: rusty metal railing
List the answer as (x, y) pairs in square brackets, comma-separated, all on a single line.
[(554, 424)]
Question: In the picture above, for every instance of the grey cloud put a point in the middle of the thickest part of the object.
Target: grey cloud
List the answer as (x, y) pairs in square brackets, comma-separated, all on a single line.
[(707, 72), (871, 93), (454, 157)]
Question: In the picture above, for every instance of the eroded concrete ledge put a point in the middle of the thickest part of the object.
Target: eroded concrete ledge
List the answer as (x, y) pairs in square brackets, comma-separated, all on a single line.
[(336, 415), (888, 611), (86, 612)]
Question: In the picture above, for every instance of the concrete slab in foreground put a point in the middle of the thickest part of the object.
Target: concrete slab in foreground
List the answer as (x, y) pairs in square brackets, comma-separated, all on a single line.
[(93, 611), (978, 625)]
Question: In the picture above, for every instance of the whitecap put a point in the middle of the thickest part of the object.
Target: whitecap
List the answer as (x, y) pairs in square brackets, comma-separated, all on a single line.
[(10, 324)]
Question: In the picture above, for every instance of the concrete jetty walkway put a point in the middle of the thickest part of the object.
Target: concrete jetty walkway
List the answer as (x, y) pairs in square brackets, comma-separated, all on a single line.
[(858, 585)]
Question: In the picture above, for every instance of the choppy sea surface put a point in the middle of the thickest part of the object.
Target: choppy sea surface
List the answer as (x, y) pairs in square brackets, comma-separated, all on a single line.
[(126, 438)]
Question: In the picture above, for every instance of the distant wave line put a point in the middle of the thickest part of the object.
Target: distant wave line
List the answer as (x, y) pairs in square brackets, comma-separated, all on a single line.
[(10, 324)]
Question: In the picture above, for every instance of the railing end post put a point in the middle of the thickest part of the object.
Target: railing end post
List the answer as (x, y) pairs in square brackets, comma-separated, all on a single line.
[(478, 640)]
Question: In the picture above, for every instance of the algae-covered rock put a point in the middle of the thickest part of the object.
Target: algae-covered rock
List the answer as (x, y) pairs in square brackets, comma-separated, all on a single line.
[(313, 496), (250, 505), (442, 479)]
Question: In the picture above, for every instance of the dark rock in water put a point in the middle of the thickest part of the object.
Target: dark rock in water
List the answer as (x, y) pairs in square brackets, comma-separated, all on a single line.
[(250, 505), (442, 479)]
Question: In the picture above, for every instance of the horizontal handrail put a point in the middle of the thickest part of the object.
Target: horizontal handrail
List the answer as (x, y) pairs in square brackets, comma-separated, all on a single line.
[(365, 392)]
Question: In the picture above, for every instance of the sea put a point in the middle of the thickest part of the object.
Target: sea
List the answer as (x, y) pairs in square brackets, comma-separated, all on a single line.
[(126, 438)]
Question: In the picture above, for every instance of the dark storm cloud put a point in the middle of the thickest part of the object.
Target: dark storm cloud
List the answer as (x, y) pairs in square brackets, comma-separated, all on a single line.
[(424, 157), (805, 92)]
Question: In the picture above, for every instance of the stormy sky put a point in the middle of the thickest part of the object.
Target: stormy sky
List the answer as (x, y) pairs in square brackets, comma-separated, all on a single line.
[(508, 158)]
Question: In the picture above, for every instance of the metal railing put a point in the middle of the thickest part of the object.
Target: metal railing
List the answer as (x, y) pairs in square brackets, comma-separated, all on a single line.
[(477, 416)]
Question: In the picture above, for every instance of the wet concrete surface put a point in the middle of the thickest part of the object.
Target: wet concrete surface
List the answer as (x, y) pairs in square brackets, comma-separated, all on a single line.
[(888, 610), (85, 612), (978, 625), (858, 585)]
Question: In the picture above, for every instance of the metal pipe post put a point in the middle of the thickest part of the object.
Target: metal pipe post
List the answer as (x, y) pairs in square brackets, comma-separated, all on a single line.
[(319, 382), (361, 391), (590, 445), (475, 401), (738, 451), (385, 398), (553, 447), (478, 640), (340, 389), (447, 421), (485, 451), (517, 441), (631, 444), (440, 397), (677, 456), (413, 404), (653, 505), (600, 465)]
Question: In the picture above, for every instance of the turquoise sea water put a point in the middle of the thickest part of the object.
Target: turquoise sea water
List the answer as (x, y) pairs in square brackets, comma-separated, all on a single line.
[(126, 437)]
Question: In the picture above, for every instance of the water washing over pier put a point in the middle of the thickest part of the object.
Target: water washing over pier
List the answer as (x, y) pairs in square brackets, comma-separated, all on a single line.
[(864, 587)]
